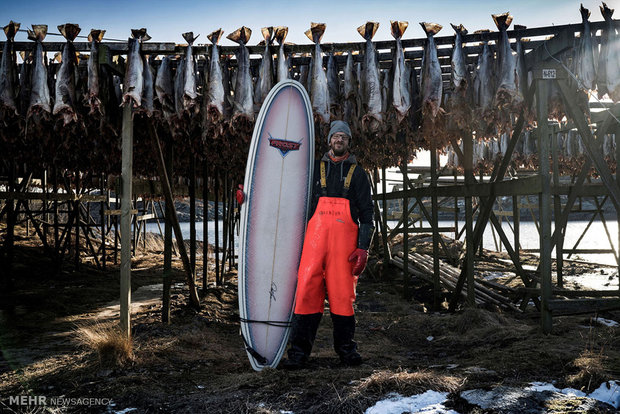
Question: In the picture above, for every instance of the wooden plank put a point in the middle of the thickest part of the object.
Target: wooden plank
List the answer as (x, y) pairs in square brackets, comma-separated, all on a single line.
[(580, 306), (32, 196), (592, 149), (194, 301), (545, 206), (519, 186), (425, 230), (117, 212), (172, 48), (145, 217), (126, 216)]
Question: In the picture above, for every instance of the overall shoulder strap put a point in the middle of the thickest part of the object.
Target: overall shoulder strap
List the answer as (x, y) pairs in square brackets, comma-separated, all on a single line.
[(347, 181), (323, 179)]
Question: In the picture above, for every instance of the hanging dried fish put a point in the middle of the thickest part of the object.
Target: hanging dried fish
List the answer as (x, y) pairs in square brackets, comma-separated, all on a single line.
[(134, 72), (400, 96), (284, 64), (333, 87), (25, 86), (350, 112), (243, 105), (371, 89), (415, 112), (459, 75), (609, 63), (64, 103), (148, 90), (189, 77), (430, 78), (507, 87), (522, 82), (319, 93), (586, 71), (8, 71), (92, 99), (179, 86), (215, 86), (265, 72), (164, 86)]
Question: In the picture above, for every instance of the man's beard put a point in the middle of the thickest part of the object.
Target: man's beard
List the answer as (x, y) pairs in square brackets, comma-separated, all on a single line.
[(339, 152)]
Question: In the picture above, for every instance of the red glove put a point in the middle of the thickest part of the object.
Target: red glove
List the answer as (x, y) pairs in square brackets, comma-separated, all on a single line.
[(358, 258), (240, 195)]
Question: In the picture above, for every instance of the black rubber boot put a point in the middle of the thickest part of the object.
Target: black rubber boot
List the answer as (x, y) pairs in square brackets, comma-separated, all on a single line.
[(302, 338), (345, 346)]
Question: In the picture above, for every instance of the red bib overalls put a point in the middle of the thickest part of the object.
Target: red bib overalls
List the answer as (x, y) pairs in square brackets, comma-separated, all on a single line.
[(330, 239)]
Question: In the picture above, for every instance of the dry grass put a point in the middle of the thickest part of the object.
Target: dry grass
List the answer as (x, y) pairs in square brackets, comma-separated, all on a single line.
[(407, 383), (113, 348), (591, 372)]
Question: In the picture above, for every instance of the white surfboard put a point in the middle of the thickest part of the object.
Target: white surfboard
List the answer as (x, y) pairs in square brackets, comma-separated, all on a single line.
[(278, 181)]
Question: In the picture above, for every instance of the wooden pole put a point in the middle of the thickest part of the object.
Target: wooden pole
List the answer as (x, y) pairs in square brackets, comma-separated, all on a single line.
[(468, 148), (544, 205), (557, 211), (194, 302), (435, 226), (218, 281), (126, 176), (192, 212), (405, 219), (516, 217), (76, 206), (167, 273), (387, 256), (103, 220), (617, 138), (205, 226)]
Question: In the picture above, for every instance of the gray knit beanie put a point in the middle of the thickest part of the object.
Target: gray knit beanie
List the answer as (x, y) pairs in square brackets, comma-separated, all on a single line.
[(338, 126)]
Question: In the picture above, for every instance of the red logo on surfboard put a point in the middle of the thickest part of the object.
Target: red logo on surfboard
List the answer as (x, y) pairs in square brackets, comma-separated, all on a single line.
[(283, 145)]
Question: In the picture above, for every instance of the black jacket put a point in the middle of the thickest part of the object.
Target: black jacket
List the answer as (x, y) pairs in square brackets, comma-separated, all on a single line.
[(360, 200)]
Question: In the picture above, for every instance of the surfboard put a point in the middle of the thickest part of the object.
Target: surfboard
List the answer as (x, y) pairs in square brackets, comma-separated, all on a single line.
[(277, 186)]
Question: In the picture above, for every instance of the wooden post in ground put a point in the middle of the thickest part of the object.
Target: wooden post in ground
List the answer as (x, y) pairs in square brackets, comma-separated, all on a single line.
[(218, 281), (103, 219), (468, 149), (167, 273), (205, 226), (126, 176), (194, 302), (557, 211), (192, 212), (435, 226), (405, 220), (516, 220), (544, 204), (387, 256)]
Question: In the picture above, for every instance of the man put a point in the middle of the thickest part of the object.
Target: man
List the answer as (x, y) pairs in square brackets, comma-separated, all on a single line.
[(335, 251)]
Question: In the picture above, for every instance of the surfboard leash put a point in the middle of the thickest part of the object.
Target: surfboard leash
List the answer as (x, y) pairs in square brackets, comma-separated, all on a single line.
[(258, 357), (279, 324)]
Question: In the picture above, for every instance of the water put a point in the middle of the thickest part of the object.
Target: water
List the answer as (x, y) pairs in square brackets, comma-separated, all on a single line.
[(152, 227), (595, 238)]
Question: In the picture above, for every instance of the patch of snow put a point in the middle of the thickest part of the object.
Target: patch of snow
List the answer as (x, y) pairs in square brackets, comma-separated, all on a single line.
[(428, 402), (608, 392), (125, 411), (494, 275), (430, 338), (595, 281), (607, 322), (544, 386)]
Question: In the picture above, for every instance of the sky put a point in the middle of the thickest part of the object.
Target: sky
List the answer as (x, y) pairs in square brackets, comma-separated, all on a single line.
[(166, 20)]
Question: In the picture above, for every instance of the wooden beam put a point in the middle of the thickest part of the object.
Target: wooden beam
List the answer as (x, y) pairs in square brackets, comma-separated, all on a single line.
[(544, 207), (592, 149), (126, 216), (194, 302)]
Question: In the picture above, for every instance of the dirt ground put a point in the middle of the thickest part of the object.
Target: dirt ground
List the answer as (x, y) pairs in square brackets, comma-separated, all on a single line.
[(197, 363)]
